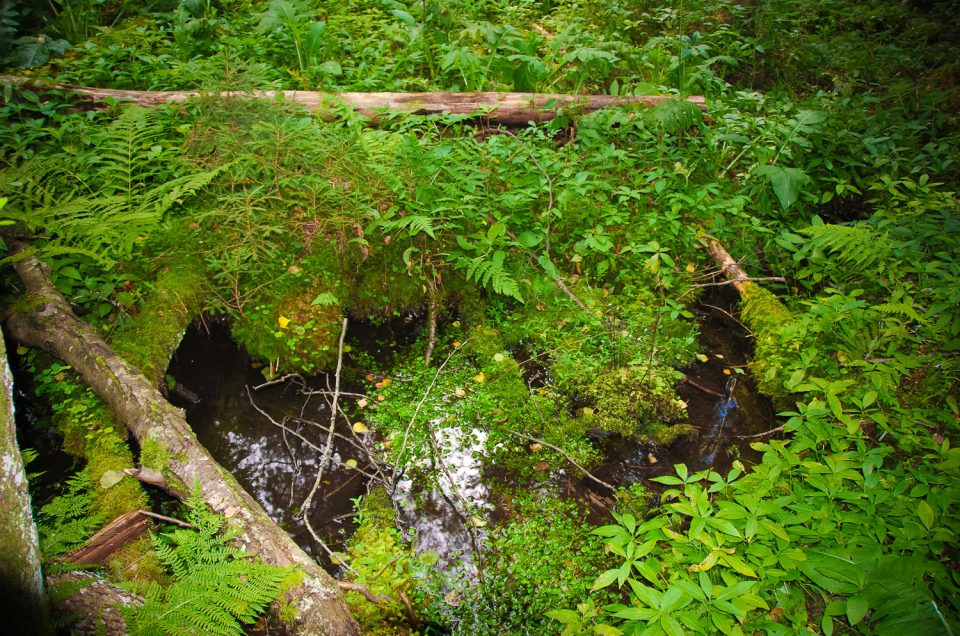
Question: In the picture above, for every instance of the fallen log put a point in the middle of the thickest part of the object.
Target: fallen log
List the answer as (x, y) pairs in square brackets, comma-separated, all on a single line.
[(44, 319), (90, 603), (510, 109)]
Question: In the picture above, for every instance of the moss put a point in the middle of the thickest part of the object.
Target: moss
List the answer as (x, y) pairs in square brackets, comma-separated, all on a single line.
[(150, 339), (381, 287), (667, 435), (154, 455), (766, 316), (630, 402), (384, 564), (137, 562), (106, 450), (296, 330)]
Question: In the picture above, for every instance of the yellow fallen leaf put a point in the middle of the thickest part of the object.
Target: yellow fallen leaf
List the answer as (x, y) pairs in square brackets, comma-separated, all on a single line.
[(293, 269), (691, 268), (381, 398), (726, 372), (702, 358), (362, 403), (536, 447), (498, 357), (350, 464), (459, 392), (480, 377), (360, 427), (283, 321), (456, 344)]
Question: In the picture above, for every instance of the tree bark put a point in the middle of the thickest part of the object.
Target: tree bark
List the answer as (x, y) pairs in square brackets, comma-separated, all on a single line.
[(21, 582), (93, 609), (495, 108), (731, 269), (45, 320)]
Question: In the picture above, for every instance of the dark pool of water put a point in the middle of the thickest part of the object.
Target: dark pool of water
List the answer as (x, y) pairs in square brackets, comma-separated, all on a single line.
[(278, 466), (274, 456)]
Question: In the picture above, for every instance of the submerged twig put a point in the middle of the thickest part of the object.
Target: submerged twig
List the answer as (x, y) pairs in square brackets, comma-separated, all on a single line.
[(433, 309), (705, 389), (778, 429)]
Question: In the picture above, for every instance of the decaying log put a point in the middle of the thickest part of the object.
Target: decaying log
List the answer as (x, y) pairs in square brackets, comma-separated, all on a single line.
[(21, 583), (113, 536), (45, 320), (496, 108), (731, 269), (93, 606)]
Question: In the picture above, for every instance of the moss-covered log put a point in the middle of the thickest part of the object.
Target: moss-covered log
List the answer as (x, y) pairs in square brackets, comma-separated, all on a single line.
[(512, 109), (21, 582), (46, 320), (762, 312)]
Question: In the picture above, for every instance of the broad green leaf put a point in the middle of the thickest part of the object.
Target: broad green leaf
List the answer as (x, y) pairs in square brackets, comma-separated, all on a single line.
[(111, 478), (565, 616), (528, 239), (786, 183), (926, 514), (857, 608), (671, 626), (636, 614), (605, 579)]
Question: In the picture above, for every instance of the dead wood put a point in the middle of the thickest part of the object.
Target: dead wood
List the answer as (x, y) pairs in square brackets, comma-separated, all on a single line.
[(490, 107), (45, 320), (21, 583), (93, 604), (113, 536), (730, 267)]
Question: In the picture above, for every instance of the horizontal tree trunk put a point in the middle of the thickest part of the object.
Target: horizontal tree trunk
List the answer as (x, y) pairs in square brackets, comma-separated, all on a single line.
[(45, 320), (497, 108)]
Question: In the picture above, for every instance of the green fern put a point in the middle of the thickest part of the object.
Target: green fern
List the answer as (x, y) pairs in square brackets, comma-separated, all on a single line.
[(673, 116), (853, 249), (216, 587), (117, 204), (68, 519), (414, 224), (490, 273)]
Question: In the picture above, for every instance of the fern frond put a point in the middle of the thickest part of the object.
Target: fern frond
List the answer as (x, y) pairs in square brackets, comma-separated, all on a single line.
[(852, 247), (902, 309), (414, 224), (489, 272), (124, 160)]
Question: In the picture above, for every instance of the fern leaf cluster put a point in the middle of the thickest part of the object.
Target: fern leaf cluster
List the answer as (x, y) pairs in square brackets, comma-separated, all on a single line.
[(102, 206), (216, 587), (852, 248), (68, 519), (489, 272)]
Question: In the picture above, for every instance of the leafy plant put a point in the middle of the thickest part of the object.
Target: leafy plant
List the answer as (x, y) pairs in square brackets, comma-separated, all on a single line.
[(70, 518), (216, 588)]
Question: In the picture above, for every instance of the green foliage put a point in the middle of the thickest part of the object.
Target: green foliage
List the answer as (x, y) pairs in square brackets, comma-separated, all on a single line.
[(385, 565), (70, 518), (542, 558), (126, 193), (216, 588)]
